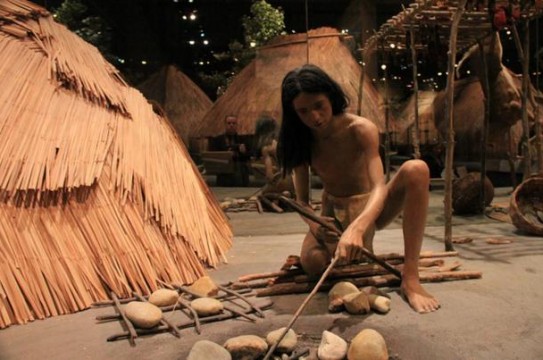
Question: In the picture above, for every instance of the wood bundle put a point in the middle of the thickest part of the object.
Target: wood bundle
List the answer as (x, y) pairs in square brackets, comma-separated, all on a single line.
[(97, 193), (257, 88), (432, 268)]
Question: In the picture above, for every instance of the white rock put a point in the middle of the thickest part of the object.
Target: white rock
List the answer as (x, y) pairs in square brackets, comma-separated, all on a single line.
[(331, 347), (379, 303)]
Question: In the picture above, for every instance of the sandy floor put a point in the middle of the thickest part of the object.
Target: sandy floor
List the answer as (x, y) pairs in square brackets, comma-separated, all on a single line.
[(496, 317)]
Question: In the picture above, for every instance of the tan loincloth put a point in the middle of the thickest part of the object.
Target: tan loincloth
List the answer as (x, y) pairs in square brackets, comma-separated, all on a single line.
[(345, 210)]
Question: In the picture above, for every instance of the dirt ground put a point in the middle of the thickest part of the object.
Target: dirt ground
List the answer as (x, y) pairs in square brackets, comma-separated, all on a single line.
[(495, 317)]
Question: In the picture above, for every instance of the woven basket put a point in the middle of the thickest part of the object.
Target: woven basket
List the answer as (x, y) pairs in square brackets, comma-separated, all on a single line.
[(526, 207)]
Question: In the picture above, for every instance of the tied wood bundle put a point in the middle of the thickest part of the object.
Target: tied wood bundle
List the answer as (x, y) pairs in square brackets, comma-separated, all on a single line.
[(291, 279), (97, 193)]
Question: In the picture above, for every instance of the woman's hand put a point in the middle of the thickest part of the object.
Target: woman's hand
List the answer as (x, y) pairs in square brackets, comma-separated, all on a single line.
[(350, 245)]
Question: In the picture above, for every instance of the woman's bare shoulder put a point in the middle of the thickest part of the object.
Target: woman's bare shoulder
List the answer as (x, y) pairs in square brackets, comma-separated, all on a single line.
[(362, 126)]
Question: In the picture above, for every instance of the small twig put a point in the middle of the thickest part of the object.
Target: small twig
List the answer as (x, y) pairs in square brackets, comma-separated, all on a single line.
[(243, 298), (195, 315), (129, 325), (226, 307)]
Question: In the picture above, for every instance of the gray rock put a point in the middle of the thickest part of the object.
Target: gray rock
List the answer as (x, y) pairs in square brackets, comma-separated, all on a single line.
[(206, 350), (246, 347)]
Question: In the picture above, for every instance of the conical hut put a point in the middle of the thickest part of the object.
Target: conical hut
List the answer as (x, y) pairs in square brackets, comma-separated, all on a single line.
[(405, 121), (257, 88), (98, 195), (469, 113), (183, 101)]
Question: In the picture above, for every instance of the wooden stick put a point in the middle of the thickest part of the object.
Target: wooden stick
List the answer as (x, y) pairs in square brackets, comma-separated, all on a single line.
[(378, 280), (267, 303), (301, 308), (244, 299), (311, 216), (129, 325)]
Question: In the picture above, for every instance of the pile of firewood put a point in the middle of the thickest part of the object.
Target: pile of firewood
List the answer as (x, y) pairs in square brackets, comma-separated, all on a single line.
[(262, 203), (291, 279)]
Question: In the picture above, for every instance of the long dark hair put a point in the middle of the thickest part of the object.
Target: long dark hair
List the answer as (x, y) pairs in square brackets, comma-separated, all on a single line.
[(295, 138)]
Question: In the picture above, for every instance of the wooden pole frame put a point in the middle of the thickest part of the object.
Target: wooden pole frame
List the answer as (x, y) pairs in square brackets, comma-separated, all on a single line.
[(450, 115), (484, 136)]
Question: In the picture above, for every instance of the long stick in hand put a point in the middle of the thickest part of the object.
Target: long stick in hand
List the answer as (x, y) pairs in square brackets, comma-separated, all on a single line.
[(312, 216)]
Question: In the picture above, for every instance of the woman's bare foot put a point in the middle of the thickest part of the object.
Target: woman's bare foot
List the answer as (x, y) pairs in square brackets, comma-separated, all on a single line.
[(421, 301)]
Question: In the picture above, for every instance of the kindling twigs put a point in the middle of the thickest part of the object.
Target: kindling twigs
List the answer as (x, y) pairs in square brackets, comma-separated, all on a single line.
[(193, 312), (301, 308), (313, 217), (244, 299), (131, 330), (265, 304)]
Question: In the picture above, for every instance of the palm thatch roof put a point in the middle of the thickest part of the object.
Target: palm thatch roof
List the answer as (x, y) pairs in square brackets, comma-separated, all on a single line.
[(468, 117), (183, 101), (405, 120), (97, 193), (257, 88)]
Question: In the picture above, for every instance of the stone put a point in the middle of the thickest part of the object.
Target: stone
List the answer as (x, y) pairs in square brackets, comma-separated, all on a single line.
[(331, 347), (207, 306), (164, 297), (336, 294), (368, 344), (356, 303), (287, 344), (204, 286), (246, 347), (369, 290), (379, 303), (205, 350), (143, 314)]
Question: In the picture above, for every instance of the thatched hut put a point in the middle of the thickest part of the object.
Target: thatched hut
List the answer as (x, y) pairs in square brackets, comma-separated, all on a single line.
[(97, 192), (404, 122), (257, 88), (183, 101), (469, 112)]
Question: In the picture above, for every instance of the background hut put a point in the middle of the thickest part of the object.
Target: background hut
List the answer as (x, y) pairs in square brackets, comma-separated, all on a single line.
[(257, 88), (404, 122), (183, 101), (97, 193)]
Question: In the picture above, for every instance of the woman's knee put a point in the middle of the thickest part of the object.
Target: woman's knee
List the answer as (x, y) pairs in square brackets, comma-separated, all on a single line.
[(416, 172), (314, 261)]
